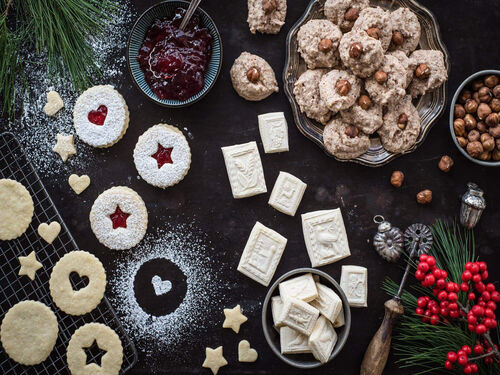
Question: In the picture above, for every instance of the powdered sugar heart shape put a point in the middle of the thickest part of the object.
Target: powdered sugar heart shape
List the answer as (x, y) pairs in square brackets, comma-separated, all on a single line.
[(98, 116), (49, 232), (161, 286), (79, 183), (246, 353)]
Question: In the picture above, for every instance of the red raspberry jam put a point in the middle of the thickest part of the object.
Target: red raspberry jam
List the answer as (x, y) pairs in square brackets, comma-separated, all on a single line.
[(98, 117), (119, 218), (174, 61), (163, 155)]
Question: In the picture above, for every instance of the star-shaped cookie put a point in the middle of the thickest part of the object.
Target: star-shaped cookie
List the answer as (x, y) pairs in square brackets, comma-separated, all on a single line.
[(214, 359), (234, 318), (65, 146), (29, 265)]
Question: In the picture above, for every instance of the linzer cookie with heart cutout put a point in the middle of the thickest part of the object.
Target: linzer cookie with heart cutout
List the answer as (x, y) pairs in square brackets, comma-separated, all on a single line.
[(101, 116)]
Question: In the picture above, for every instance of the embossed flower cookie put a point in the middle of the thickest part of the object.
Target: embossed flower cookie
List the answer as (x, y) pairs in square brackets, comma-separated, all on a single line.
[(119, 218), (101, 116), (162, 156)]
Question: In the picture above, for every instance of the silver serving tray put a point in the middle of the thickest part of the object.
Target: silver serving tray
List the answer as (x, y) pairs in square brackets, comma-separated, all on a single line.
[(430, 106)]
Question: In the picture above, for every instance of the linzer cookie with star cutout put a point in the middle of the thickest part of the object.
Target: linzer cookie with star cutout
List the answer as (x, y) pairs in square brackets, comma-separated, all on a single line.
[(101, 116), (162, 156), (119, 218)]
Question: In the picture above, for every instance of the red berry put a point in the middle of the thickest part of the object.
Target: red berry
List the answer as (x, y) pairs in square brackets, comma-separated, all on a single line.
[(488, 360), (482, 266), (471, 296), (421, 302), (467, 349), (435, 319), (444, 274), (437, 273), (442, 295), (495, 296), (444, 311), (452, 297), (431, 261), (435, 310), (471, 327), (467, 369), (490, 287), (462, 360), (480, 287), (476, 278), (429, 280), (491, 305), (479, 349), (423, 266), (477, 310), (423, 258), (489, 313), (474, 268), (419, 275), (473, 368), (471, 319), (448, 365), (481, 329), (486, 296), (454, 314), (464, 287), (440, 283), (419, 311), (466, 276), (450, 286), (484, 275), (489, 323), (452, 357)]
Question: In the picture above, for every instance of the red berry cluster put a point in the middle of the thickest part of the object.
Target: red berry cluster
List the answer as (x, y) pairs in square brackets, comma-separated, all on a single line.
[(462, 358)]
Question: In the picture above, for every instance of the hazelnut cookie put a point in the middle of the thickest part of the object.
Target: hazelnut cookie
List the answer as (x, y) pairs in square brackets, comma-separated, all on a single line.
[(339, 89), (365, 114), (429, 71), (377, 24), (405, 61), (318, 42), (405, 30), (343, 140), (344, 12), (388, 83), (266, 16), (252, 77), (401, 126), (306, 91), (361, 53)]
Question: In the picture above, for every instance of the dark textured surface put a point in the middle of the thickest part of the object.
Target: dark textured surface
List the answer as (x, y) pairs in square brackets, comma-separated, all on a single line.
[(471, 33)]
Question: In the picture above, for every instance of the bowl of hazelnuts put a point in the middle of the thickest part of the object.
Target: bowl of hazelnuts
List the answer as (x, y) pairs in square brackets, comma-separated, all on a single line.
[(475, 118)]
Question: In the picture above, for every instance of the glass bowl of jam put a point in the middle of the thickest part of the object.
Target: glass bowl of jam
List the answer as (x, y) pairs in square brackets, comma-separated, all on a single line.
[(174, 67)]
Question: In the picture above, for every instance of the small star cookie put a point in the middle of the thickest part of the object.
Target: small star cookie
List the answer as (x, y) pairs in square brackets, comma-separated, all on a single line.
[(29, 265), (65, 146), (234, 318), (214, 359)]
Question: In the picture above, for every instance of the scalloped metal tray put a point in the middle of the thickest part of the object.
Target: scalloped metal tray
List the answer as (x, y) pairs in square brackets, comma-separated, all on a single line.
[(430, 106)]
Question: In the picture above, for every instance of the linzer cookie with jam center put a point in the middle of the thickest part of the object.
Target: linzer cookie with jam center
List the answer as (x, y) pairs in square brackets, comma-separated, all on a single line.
[(162, 155), (101, 116)]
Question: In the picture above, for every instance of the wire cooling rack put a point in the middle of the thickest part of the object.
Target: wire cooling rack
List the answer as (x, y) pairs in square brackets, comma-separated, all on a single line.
[(14, 288)]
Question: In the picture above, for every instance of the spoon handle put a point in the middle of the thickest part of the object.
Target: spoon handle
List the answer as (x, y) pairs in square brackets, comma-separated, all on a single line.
[(189, 13)]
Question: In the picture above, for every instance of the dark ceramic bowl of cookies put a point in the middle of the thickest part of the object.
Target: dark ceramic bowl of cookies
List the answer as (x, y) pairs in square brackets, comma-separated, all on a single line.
[(465, 85)]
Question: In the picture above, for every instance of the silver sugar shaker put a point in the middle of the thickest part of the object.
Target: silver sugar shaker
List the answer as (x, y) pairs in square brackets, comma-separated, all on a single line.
[(473, 205)]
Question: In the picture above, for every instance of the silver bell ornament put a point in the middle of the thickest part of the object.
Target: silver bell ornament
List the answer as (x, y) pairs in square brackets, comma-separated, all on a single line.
[(473, 205), (388, 241)]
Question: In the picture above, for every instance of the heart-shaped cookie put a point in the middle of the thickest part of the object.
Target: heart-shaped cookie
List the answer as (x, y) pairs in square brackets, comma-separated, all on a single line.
[(54, 103), (98, 116), (246, 353), (79, 183), (49, 232), (161, 286)]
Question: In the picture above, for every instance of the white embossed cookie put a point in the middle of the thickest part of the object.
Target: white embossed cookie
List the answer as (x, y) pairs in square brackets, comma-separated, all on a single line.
[(101, 116), (119, 218), (343, 140), (354, 283), (306, 91), (17, 209), (287, 193), (318, 42), (298, 315), (162, 155), (339, 89), (273, 130)]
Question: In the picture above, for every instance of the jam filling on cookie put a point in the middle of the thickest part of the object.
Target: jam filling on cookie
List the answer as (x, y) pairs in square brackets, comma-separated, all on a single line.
[(98, 116), (174, 61), (163, 155), (119, 218)]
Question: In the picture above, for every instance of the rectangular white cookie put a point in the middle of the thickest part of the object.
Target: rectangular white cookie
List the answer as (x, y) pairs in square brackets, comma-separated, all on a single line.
[(276, 307), (340, 321), (302, 287), (273, 132), (262, 254), (322, 339), (328, 302), (298, 315), (287, 193), (244, 169), (354, 283), (293, 342), (325, 236)]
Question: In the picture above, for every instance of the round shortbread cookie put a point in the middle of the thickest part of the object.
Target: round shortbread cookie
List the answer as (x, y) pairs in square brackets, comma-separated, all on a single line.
[(101, 116), (84, 300), (119, 218), (106, 339), (162, 155), (29, 332), (17, 209)]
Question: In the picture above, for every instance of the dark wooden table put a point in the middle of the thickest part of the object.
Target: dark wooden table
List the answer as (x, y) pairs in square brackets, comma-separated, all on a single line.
[(471, 33)]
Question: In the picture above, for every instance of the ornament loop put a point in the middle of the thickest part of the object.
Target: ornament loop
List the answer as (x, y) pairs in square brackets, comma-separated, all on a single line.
[(378, 219)]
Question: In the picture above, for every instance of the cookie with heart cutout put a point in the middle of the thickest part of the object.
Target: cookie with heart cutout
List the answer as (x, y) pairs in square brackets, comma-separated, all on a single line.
[(101, 116)]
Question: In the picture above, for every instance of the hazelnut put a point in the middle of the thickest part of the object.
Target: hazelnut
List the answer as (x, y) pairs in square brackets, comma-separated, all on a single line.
[(445, 163), (422, 71), (355, 50), (253, 75), (483, 110), (475, 149), (485, 156), (481, 127), (343, 87), (494, 131), (325, 45), (374, 32), (495, 105), (496, 91), (484, 94), (269, 6), (424, 197), (459, 111), (471, 106), (459, 127), (473, 136), (380, 77), (397, 178), (491, 81), (351, 15), (495, 155), (492, 119), (497, 142), (488, 142), (477, 84), (462, 141), (475, 96), (402, 121), (351, 131), (365, 102), (397, 38), (470, 122), (466, 94)]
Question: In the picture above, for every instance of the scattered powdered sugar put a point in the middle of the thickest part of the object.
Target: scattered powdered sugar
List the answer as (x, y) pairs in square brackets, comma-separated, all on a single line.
[(34, 129), (177, 334)]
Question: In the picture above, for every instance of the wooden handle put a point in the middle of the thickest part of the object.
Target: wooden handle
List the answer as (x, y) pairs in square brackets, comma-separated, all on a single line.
[(377, 352)]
